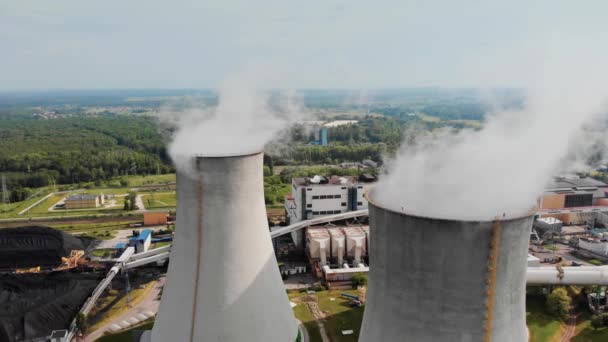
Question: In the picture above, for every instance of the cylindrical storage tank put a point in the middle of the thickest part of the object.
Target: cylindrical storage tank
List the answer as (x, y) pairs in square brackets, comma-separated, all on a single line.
[(317, 243), (445, 280), (366, 230), (223, 273), (337, 245), (355, 243)]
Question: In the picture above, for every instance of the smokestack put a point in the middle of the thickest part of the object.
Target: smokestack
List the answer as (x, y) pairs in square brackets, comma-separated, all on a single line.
[(445, 280), (223, 280)]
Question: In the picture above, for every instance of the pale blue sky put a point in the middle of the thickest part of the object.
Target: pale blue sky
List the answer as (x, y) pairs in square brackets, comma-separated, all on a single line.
[(48, 44)]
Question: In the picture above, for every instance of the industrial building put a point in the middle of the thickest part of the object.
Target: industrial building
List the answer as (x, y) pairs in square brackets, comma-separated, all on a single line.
[(445, 280), (155, 218), (596, 245), (84, 201), (574, 200), (337, 253), (141, 241), (318, 196), (223, 281)]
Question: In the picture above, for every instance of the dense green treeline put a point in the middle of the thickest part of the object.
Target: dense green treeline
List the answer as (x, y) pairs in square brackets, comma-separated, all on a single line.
[(38, 152)]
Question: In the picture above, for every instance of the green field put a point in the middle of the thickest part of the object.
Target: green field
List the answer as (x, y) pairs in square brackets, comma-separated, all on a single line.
[(339, 315), (107, 191), (158, 200), (150, 179), (303, 314), (103, 252), (543, 327), (43, 207), (13, 209)]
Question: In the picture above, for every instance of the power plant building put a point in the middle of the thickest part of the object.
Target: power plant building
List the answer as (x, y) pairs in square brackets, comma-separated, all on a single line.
[(223, 281), (467, 285), (319, 196), (574, 200)]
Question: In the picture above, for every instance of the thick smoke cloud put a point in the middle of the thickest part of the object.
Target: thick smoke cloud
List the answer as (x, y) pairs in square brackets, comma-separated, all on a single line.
[(501, 169), (245, 119)]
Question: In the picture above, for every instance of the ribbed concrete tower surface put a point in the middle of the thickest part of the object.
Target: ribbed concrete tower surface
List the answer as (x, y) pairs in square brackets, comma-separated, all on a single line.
[(223, 283), (438, 280)]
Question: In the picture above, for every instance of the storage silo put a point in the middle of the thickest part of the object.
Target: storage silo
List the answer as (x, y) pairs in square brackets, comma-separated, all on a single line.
[(355, 244), (337, 245), (317, 243), (223, 281), (438, 280)]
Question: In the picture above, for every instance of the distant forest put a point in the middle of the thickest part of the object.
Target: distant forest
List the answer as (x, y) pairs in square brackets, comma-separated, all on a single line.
[(77, 147), (39, 152)]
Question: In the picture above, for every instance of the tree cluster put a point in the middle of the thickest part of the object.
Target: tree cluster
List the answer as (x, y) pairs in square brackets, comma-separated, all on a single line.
[(558, 303)]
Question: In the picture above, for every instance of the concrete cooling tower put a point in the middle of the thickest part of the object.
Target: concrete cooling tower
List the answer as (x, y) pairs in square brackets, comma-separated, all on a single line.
[(436, 280), (223, 282)]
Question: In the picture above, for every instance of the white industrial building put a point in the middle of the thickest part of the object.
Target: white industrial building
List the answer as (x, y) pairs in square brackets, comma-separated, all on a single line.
[(595, 245), (337, 253), (318, 196)]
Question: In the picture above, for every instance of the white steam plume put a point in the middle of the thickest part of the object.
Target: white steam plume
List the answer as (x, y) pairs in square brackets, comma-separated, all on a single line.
[(245, 119), (504, 167)]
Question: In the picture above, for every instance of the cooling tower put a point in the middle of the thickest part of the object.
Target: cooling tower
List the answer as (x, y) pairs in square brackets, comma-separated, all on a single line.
[(223, 282), (436, 280)]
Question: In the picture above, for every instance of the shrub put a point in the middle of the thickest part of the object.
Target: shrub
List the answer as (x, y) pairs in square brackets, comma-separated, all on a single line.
[(597, 322), (359, 279), (558, 303)]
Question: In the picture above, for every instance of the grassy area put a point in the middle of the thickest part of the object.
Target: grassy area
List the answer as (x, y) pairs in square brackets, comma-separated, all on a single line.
[(107, 191), (100, 234), (80, 227), (303, 314), (103, 252), (275, 191), (12, 209), (543, 327), (127, 335), (150, 179), (157, 200), (340, 315), (160, 244), (43, 207), (120, 307), (585, 333)]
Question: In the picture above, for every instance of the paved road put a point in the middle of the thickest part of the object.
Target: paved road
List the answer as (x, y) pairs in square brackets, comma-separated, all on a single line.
[(149, 303)]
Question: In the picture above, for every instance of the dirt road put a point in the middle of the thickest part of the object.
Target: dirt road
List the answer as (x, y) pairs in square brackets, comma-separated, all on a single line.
[(570, 325)]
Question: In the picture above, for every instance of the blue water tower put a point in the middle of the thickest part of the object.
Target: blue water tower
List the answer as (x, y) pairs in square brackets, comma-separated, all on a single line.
[(324, 136)]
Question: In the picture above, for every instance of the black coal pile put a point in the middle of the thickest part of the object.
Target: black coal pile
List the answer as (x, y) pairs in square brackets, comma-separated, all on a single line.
[(33, 246), (33, 305)]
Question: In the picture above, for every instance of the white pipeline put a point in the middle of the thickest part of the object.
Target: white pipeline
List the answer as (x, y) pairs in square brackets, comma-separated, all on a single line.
[(588, 275)]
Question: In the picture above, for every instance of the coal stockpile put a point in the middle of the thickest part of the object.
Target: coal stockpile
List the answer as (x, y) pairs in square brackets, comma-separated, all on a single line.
[(33, 246), (33, 305)]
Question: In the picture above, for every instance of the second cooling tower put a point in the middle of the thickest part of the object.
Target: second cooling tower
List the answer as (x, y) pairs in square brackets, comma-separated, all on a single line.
[(445, 280), (223, 282)]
